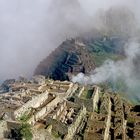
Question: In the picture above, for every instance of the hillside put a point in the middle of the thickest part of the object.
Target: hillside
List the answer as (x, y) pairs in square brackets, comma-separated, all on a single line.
[(79, 55), (71, 57)]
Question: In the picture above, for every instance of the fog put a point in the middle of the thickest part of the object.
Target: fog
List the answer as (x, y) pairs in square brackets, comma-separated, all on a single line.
[(112, 71), (31, 29), (124, 72)]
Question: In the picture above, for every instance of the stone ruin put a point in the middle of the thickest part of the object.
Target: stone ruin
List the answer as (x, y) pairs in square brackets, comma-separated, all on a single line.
[(117, 115), (63, 110), (71, 57)]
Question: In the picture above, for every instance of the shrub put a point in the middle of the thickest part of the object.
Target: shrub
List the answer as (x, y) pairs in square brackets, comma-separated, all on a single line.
[(25, 131)]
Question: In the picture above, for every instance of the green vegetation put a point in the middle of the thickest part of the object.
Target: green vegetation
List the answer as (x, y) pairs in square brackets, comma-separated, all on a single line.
[(131, 120), (87, 94), (25, 128), (102, 51), (97, 110), (57, 134), (25, 131), (24, 118), (118, 85), (99, 58)]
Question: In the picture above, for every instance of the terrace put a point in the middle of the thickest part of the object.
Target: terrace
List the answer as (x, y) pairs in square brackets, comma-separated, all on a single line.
[(87, 94)]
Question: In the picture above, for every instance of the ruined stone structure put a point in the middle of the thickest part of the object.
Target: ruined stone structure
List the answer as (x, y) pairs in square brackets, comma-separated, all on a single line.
[(81, 54), (59, 110), (71, 57), (66, 119), (89, 98), (112, 121)]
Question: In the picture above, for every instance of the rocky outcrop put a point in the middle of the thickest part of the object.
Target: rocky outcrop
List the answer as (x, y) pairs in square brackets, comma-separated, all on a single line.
[(71, 57), (82, 54)]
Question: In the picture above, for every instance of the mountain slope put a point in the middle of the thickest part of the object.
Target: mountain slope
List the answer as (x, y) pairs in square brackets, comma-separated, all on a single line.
[(79, 55), (71, 57)]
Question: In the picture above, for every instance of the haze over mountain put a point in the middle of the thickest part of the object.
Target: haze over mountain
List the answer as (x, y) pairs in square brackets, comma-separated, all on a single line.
[(31, 29)]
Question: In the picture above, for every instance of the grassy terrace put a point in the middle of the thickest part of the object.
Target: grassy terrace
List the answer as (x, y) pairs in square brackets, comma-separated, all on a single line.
[(102, 51), (87, 94), (99, 58)]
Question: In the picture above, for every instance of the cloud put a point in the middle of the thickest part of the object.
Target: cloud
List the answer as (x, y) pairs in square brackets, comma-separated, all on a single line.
[(110, 71), (31, 29)]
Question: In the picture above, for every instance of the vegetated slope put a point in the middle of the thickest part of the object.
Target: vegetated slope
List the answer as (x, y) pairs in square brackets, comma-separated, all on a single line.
[(79, 55), (71, 57), (106, 48)]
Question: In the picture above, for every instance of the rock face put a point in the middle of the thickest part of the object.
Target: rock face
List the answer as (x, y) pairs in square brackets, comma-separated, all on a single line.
[(6, 85), (71, 57)]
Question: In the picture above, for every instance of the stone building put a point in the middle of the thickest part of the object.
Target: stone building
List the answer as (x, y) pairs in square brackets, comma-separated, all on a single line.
[(66, 119), (88, 97), (67, 111)]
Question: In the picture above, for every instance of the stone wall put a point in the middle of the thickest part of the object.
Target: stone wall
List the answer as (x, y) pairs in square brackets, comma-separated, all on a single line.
[(72, 89), (3, 129), (81, 91), (73, 105), (74, 126), (108, 122), (44, 111), (34, 103), (57, 126), (6, 126), (58, 111), (88, 103), (67, 130), (96, 98)]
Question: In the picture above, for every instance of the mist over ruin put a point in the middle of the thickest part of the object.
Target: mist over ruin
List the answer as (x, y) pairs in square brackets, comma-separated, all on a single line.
[(29, 31), (69, 70)]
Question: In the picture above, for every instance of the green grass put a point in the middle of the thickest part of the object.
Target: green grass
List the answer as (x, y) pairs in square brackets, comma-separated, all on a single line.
[(99, 58), (26, 131), (131, 120), (24, 118), (87, 94), (102, 51), (56, 134)]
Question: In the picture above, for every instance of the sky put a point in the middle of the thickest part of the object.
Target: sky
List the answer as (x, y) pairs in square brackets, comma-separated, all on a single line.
[(31, 29)]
